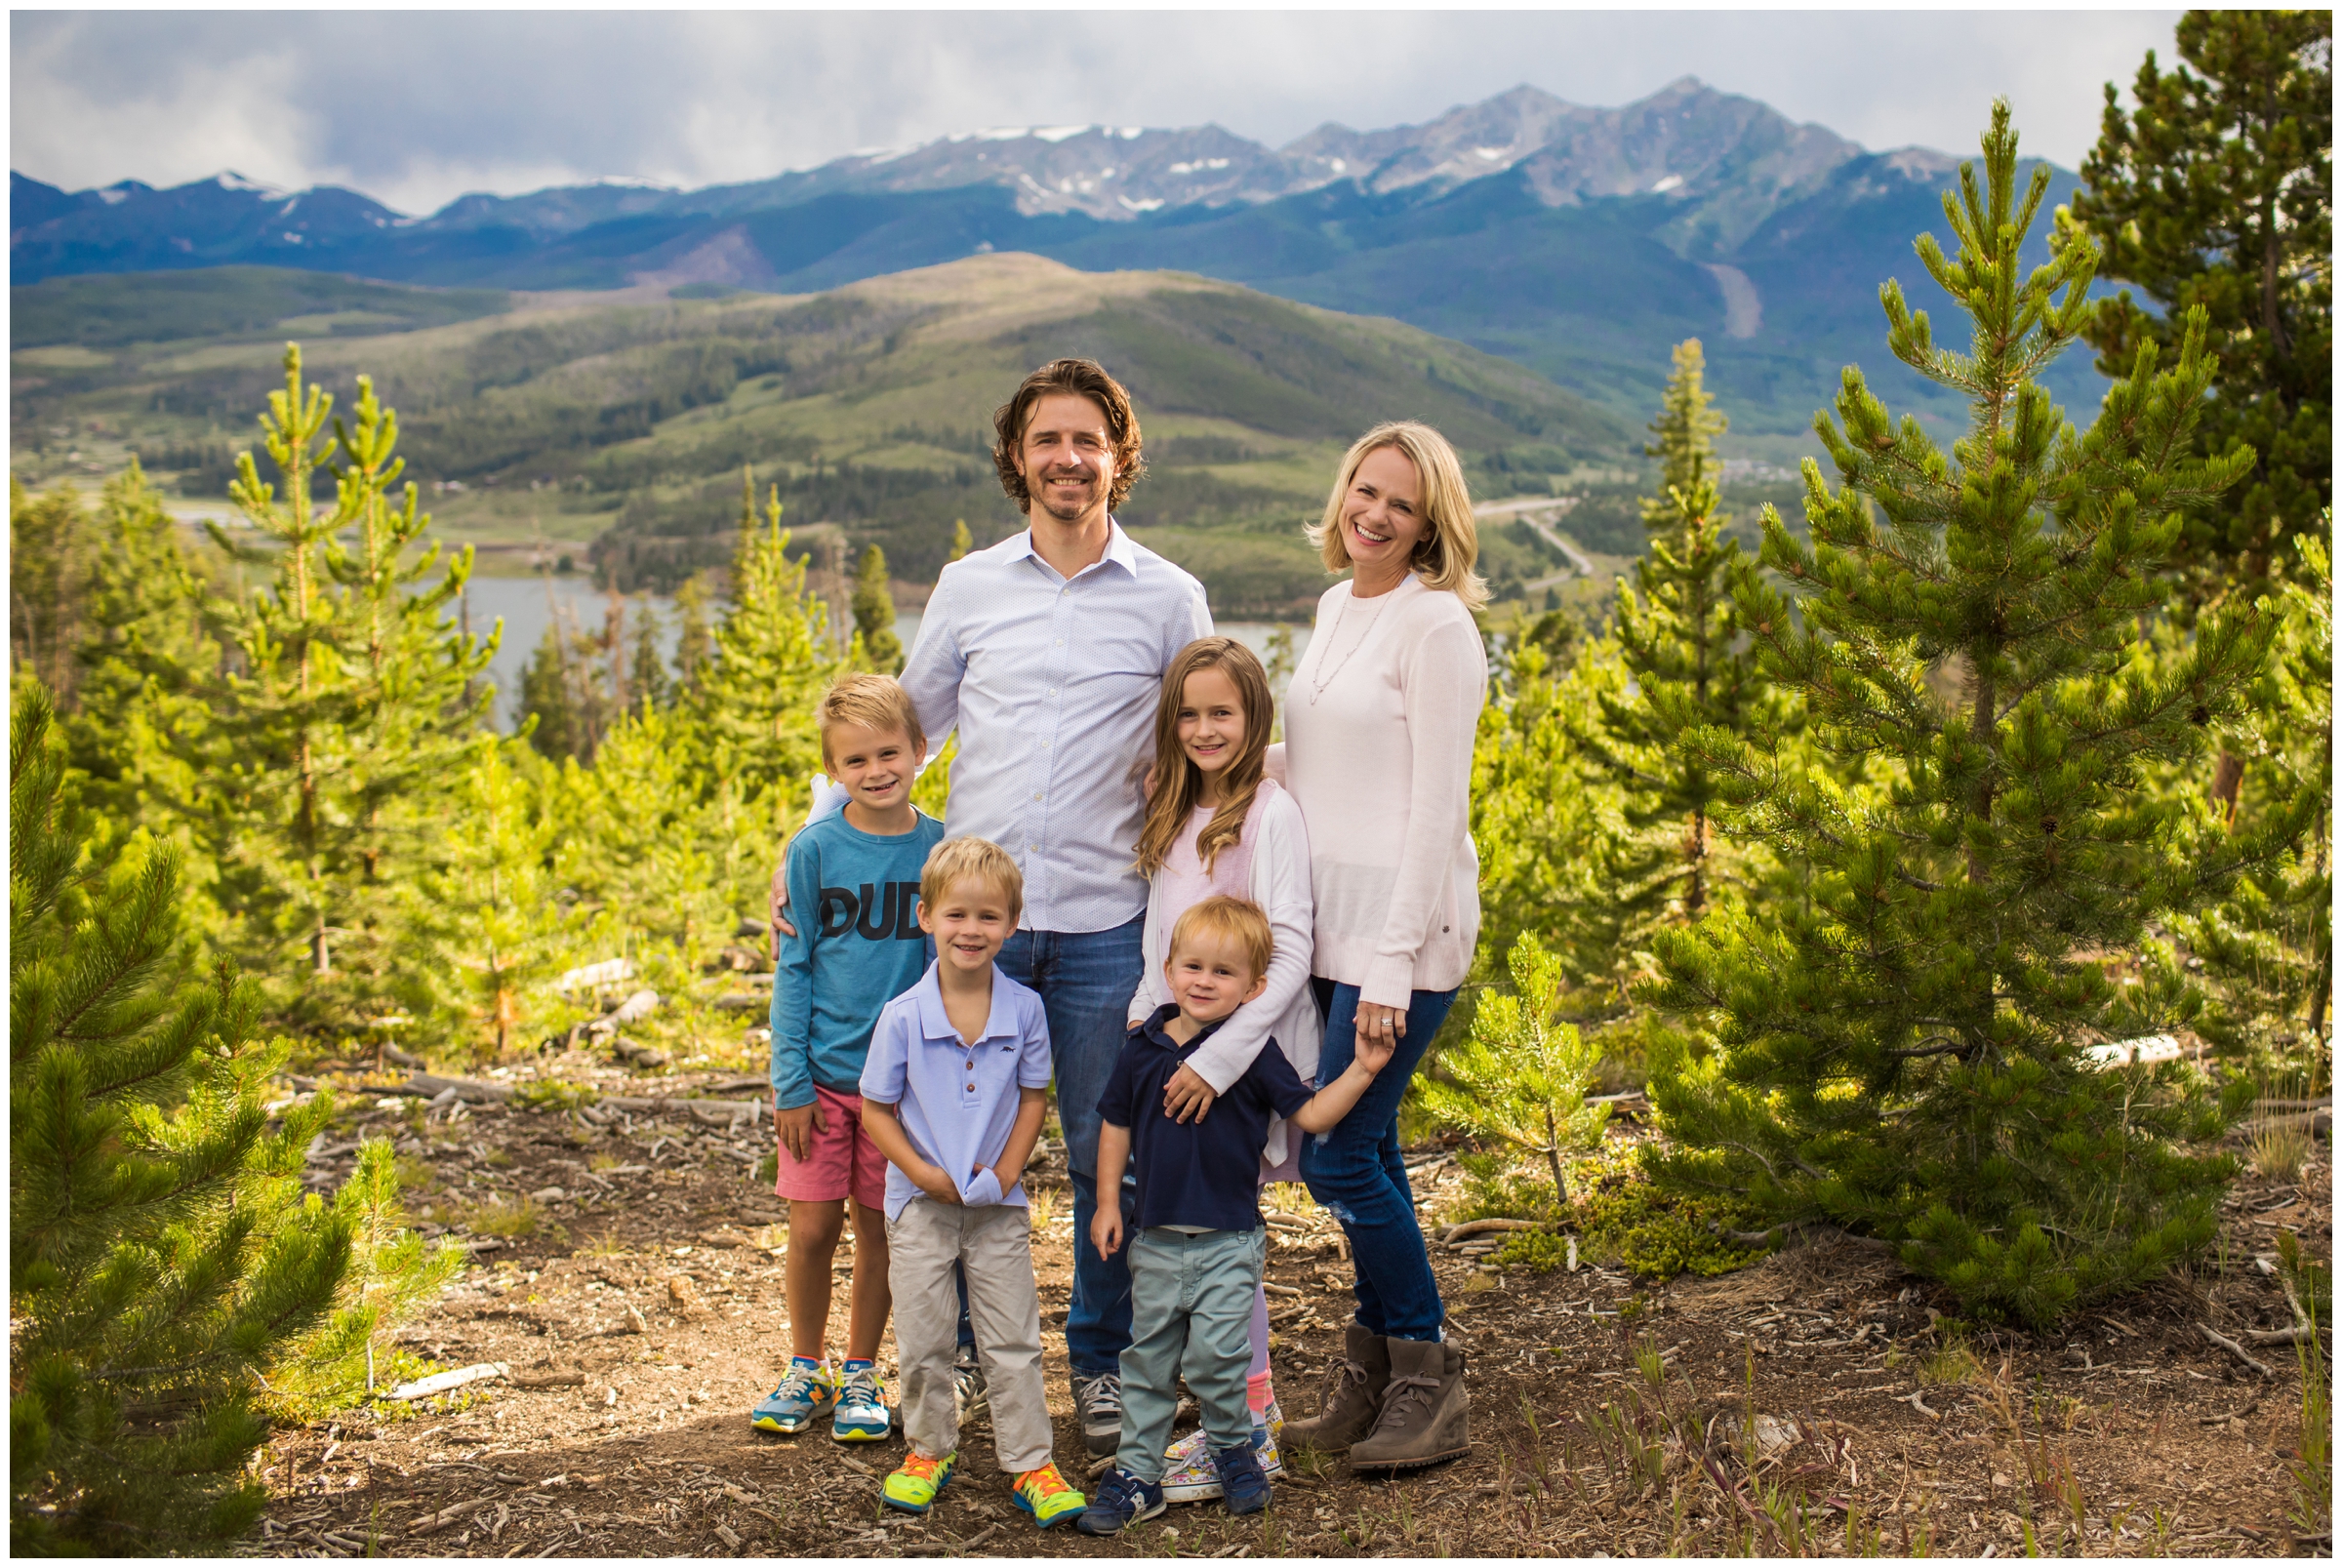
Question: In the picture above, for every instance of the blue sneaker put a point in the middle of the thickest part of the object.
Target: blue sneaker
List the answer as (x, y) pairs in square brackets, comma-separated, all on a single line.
[(805, 1395), (862, 1414), (1122, 1499), (1242, 1481)]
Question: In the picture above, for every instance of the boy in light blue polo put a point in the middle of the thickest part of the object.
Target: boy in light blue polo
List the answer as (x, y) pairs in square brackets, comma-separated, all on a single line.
[(953, 1094)]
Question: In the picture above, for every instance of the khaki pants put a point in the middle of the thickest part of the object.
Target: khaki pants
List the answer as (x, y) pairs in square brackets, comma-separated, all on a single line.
[(994, 1244)]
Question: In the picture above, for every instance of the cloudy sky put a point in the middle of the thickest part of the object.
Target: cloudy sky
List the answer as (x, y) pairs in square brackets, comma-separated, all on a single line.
[(416, 109)]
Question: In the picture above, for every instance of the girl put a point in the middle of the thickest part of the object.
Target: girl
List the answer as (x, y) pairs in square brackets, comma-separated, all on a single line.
[(1215, 825)]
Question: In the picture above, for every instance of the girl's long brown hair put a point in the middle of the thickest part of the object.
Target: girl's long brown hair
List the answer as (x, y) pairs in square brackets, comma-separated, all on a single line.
[(1178, 783)]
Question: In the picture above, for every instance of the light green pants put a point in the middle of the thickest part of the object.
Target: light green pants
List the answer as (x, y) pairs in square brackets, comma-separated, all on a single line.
[(1190, 1316)]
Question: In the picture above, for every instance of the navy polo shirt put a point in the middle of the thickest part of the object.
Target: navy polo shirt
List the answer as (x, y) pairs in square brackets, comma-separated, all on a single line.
[(1205, 1171)]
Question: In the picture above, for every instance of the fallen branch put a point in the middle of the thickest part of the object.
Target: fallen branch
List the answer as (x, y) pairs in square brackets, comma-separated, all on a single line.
[(433, 1522), (1921, 1405), (2298, 1334), (1481, 1227), (442, 1382), (2238, 1350)]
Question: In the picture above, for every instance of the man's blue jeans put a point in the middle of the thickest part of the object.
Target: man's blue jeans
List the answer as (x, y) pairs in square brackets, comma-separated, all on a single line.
[(1355, 1171), (1086, 980)]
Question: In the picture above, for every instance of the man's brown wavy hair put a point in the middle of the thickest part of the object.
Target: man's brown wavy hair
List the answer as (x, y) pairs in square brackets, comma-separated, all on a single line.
[(1082, 377)]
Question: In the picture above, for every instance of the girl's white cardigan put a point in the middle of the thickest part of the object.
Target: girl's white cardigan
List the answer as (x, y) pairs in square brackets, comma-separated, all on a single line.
[(1279, 883)]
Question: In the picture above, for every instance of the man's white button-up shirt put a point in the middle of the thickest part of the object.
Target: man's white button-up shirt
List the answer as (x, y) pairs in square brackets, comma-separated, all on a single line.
[(1052, 684)]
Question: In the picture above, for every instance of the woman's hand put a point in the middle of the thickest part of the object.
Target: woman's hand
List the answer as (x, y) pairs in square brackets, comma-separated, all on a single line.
[(1381, 1025), (1187, 1092)]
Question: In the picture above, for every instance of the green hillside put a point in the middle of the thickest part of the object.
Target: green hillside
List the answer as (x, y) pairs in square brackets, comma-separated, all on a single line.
[(621, 422), (107, 312)]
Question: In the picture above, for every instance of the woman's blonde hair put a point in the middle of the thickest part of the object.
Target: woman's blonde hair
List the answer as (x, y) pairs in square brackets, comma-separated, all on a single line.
[(1178, 783), (1450, 545)]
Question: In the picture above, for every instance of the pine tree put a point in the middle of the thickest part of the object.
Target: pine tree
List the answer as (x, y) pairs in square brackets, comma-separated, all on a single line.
[(1680, 639), (417, 703), (1905, 1053), (647, 679), (2216, 192), (491, 927), (286, 700), (564, 688), (51, 553), (772, 659), (2268, 952), (164, 1268), (1545, 854), (139, 732), (875, 614), (344, 700), (1522, 1076), (664, 836), (695, 642), (546, 715)]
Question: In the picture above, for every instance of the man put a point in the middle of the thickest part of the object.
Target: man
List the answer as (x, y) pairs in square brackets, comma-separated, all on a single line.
[(1046, 651)]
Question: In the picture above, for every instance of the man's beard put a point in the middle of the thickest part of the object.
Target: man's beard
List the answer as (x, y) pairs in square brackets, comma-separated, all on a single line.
[(1061, 511)]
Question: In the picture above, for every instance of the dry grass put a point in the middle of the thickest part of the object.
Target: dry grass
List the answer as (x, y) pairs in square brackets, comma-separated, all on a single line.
[(2281, 1148), (506, 1217)]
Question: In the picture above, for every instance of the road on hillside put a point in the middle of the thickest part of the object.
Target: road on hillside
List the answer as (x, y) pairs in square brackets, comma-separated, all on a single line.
[(1539, 512)]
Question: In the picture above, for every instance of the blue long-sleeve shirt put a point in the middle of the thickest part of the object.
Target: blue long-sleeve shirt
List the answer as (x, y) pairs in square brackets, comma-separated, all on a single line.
[(858, 946)]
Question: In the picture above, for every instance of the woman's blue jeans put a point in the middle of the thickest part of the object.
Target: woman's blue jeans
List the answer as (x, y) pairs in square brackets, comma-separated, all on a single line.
[(1355, 1171)]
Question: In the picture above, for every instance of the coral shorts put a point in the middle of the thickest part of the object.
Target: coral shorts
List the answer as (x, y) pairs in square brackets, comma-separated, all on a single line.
[(840, 1160)]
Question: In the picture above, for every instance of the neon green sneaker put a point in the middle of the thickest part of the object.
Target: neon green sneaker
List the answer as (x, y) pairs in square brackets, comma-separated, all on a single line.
[(913, 1487), (1044, 1494)]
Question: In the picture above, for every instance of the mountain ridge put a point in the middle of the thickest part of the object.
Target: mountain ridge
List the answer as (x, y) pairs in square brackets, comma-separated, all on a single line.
[(1581, 242)]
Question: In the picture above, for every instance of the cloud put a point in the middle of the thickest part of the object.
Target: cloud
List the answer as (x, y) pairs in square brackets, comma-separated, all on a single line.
[(418, 108)]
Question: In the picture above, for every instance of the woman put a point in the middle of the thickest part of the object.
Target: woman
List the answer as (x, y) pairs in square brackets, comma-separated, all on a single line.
[(1379, 725)]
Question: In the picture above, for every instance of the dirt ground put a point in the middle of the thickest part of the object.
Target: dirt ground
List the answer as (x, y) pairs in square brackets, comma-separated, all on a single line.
[(1807, 1404)]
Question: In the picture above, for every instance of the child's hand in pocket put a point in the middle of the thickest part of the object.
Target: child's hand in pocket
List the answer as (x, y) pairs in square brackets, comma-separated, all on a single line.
[(1105, 1231)]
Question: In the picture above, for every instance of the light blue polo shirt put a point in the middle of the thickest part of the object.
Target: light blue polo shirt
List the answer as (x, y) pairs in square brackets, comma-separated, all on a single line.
[(956, 1101)]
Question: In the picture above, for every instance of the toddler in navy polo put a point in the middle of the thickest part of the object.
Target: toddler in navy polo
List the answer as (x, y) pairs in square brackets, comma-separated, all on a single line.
[(1196, 1243)]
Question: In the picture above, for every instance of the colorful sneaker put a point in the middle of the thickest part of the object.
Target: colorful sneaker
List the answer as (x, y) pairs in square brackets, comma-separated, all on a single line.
[(1241, 1479), (862, 1414), (1101, 1401), (805, 1396), (1044, 1494), (1123, 1500), (913, 1487), (1190, 1476)]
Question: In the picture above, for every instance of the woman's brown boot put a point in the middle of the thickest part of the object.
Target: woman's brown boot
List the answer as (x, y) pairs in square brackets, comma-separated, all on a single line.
[(1424, 1416), (1352, 1396)]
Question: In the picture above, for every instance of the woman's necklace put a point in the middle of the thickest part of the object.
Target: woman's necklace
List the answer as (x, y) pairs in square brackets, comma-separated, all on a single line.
[(1318, 686)]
